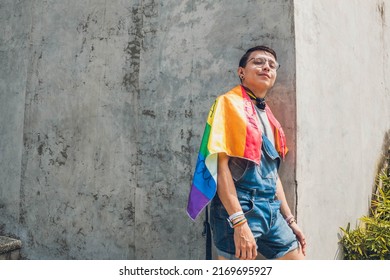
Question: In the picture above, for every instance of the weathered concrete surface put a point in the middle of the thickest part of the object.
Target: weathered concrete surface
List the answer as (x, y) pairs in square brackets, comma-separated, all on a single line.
[(14, 45), (343, 113), (103, 104), (189, 57)]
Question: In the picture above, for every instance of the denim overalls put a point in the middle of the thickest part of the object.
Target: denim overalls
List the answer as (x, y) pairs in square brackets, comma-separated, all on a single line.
[(256, 190)]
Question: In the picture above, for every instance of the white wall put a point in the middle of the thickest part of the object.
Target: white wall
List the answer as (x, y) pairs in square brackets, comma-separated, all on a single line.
[(343, 101)]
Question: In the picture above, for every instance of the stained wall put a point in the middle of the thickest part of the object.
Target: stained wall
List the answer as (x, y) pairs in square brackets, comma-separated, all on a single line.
[(103, 105)]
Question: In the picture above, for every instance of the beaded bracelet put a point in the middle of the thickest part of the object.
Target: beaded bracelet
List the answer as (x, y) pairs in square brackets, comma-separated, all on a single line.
[(289, 218), (291, 221)]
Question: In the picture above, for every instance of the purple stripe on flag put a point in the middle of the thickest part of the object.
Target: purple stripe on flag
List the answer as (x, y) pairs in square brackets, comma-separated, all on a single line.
[(197, 201)]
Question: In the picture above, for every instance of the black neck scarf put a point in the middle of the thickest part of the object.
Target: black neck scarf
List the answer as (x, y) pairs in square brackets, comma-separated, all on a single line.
[(260, 102)]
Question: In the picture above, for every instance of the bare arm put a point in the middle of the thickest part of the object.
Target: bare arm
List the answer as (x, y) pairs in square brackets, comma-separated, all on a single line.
[(284, 208), (244, 241), (286, 212)]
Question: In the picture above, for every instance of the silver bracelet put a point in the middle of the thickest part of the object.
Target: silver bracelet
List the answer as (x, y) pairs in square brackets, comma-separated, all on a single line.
[(235, 215)]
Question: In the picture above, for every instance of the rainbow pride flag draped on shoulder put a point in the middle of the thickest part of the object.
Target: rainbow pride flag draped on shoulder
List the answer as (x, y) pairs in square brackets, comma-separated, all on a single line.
[(233, 128)]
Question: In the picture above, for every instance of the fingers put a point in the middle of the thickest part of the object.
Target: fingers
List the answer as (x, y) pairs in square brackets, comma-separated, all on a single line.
[(254, 252), (246, 253), (245, 244), (303, 244), (238, 253), (302, 241), (243, 254), (242, 250), (248, 250)]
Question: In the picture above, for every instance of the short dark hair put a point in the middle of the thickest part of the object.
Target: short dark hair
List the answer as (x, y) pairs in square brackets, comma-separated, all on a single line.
[(244, 58)]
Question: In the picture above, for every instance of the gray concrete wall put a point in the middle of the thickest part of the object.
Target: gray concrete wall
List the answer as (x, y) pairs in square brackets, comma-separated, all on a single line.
[(14, 46), (343, 113), (103, 104)]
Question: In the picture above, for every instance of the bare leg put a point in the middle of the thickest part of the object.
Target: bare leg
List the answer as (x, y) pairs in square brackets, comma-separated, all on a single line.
[(293, 255)]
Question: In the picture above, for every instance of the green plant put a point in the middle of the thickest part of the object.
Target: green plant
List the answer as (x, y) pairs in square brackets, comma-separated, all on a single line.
[(371, 239)]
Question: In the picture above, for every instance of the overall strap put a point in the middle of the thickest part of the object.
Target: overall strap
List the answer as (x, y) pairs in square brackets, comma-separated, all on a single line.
[(207, 232)]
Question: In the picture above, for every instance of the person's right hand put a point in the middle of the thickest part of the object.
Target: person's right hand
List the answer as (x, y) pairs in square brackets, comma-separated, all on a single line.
[(245, 243)]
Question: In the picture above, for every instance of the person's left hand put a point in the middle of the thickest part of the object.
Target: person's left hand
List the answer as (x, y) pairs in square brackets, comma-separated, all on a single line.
[(300, 236)]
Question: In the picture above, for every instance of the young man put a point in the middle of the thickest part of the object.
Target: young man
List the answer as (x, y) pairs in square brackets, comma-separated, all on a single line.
[(237, 169)]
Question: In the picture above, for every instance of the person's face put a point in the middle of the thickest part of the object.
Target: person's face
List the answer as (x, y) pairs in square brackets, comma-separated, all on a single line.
[(259, 74)]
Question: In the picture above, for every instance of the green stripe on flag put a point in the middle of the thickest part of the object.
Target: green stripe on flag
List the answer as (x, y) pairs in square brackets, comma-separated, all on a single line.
[(204, 151)]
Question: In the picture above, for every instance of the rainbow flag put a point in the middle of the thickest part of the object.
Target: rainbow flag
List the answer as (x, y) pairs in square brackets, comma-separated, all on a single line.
[(233, 128)]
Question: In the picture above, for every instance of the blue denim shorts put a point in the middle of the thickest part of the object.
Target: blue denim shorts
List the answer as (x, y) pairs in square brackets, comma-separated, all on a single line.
[(274, 238)]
